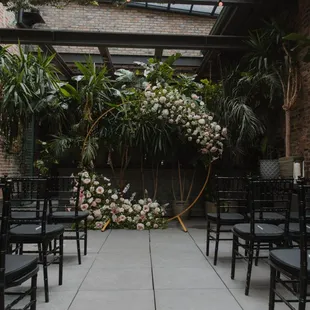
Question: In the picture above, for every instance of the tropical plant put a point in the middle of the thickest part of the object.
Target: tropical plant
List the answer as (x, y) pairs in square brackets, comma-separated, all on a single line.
[(29, 86)]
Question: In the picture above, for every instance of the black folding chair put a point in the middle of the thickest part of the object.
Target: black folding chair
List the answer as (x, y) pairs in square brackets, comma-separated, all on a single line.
[(290, 268), (14, 269), (64, 208), (265, 196), (231, 192), (29, 224)]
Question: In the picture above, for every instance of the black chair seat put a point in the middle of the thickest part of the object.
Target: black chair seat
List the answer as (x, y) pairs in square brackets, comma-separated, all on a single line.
[(68, 216), (294, 228), (227, 217), (288, 260), (272, 216), (261, 231), (24, 232), (294, 216), (23, 215), (18, 266)]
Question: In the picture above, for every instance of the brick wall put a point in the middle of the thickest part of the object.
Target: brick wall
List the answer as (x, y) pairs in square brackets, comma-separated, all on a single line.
[(300, 140), (9, 164), (109, 18)]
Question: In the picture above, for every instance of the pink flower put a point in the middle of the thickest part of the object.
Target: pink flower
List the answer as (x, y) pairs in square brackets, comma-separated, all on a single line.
[(99, 225), (84, 206), (97, 214), (146, 208), (122, 218), (99, 190), (94, 204), (140, 226)]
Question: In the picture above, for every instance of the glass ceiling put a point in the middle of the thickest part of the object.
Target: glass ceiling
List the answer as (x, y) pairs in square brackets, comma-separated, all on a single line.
[(193, 9)]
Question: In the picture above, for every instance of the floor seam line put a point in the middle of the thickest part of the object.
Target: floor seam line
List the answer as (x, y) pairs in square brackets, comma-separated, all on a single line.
[(88, 272), (152, 271), (215, 271)]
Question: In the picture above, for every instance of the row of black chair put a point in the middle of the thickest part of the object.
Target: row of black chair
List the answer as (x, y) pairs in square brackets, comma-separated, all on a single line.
[(37, 209), (263, 221)]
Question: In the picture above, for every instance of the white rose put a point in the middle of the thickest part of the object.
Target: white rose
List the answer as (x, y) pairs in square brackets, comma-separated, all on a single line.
[(107, 200), (86, 181), (154, 205), (162, 99), (141, 202), (114, 196), (142, 213), (140, 226), (201, 121), (99, 190), (130, 210), (155, 226), (148, 224), (201, 103), (90, 200), (165, 112), (97, 214), (96, 183), (109, 191), (121, 210), (190, 138), (217, 128)]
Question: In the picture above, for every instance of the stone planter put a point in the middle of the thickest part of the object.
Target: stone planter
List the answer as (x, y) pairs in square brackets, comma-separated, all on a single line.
[(287, 166), (269, 168), (180, 206)]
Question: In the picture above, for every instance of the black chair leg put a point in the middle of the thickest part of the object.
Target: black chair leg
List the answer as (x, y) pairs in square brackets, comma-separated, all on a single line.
[(2, 298), (208, 238), (77, 232), (257, 254), (85, 237), (40, 252), (233, 256), (45, 273), (61, 259), (250, 264), (272, 288), (217, 240), (33, 296)]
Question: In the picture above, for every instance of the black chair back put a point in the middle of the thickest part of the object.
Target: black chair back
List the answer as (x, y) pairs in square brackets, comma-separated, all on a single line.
[(4, 229), (28, 201), (231, 192), (64, 191), (272, 195), (304, 224)]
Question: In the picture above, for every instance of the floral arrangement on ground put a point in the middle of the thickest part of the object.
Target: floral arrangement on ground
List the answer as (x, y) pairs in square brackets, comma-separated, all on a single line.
[(103, 203)]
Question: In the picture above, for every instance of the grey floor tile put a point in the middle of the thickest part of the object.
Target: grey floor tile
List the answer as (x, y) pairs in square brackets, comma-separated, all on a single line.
[(186, 278), (118, 279), (213, 299), (114, 300), (123, 259), (168, 259)]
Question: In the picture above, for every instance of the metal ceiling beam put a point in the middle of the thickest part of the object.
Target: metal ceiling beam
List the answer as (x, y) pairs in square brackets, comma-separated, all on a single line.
[(60, 63), (127, 60), (108, 39), (106, 56)]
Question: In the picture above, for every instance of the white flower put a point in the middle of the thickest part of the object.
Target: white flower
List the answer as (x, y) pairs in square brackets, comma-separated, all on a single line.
[(213, 149), (154, 205), (99, 190), (157, 210), (121, 210), (162, 99), (137, 208), (194, 96), (193, 105), (109, 184), (201, 103), (106, 179), (130, 210), (97, 214), (107, 200), (210, 118), (96, 183), (98, 200), (84, 206), (86, 181), (85, 174), (112, 205), (90, 200), (90, 218), (165, 112), (148, 224), (141, 202), (127, 202), (201, 121), (190, 138), (129, 218), (114, 196), (88, 194), (140, 226), (224, 132), (110, 191), (142, 213), (155, 226), (217, 128)]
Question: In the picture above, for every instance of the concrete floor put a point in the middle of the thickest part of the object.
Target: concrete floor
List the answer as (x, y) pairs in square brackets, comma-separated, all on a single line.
[(156, 270)]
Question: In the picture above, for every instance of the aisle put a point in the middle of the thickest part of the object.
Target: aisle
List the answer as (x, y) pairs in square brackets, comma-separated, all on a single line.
[(157, 270)]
